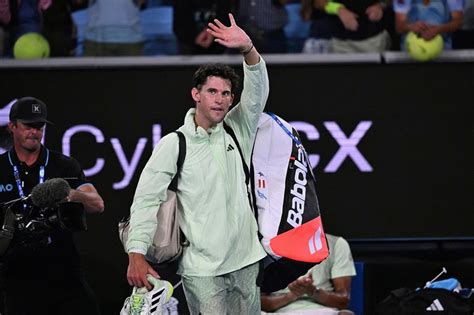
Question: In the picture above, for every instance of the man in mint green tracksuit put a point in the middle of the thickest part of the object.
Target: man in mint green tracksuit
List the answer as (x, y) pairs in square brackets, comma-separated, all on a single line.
[(220, 266)]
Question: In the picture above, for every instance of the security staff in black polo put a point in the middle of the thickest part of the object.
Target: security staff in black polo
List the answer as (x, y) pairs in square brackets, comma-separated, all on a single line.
[(40, 269)]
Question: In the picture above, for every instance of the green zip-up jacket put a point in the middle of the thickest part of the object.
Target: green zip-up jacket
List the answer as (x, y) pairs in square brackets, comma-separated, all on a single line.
[(215, 213)]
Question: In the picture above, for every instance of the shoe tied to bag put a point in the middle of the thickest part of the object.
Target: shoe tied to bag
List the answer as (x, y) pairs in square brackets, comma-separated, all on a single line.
[(144, 302)]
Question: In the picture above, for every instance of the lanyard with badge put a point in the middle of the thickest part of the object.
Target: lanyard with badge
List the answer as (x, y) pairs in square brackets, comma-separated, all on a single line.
[(19, 183)]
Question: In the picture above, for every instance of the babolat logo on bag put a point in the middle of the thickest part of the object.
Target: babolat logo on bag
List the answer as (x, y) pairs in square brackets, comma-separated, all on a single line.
[(297, 181)]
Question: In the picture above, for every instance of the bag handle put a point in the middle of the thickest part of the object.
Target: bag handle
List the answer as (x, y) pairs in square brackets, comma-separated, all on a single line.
[(288, 132)]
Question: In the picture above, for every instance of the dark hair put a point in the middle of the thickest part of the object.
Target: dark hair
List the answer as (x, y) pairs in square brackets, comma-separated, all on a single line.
[(216, 70)]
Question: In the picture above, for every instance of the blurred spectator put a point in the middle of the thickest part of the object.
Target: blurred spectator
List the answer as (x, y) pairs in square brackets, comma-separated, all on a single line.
[(21, 17), (264, 22), (389, 25), (429, 18), (325, 289), (113, 28), (190, 19), (351, 26), (51, 18), (59, 29), (321, 29), (464, 38), (296, 29), (469, 15)]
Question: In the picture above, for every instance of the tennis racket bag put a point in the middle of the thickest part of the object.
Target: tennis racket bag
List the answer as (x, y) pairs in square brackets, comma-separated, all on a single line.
[(286, 202)]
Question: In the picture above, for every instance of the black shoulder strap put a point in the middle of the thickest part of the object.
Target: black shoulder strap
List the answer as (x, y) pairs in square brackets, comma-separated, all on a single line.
[(179, 163), (246, 168), (250, 190)]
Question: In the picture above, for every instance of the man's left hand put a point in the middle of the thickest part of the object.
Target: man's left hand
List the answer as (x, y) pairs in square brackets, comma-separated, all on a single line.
[(230, 36)]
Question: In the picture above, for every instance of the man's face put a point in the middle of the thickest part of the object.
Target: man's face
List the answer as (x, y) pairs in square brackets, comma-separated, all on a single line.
[(213, 101), (27, 135)]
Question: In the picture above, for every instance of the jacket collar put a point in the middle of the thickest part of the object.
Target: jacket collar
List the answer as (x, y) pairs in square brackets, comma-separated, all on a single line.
[(197, 131)]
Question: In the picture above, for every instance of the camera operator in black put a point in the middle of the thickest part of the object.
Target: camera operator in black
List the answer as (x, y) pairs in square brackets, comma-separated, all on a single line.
[(41, 272)]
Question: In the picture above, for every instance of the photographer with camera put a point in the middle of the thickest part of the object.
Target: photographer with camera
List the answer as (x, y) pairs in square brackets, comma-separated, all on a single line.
[(42, 202)]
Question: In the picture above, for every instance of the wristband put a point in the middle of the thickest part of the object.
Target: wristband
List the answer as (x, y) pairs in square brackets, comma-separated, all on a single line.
[(246, 52), (333, 7)]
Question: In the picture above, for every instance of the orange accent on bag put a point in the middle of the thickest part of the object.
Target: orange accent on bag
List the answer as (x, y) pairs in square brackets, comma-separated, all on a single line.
[(305, 243)]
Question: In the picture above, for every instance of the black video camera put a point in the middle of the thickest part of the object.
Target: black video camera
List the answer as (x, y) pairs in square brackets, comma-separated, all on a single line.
[(68, 216), (34, 227)]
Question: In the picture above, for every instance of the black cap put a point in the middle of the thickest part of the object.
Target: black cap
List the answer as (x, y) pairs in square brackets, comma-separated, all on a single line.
[(29, 110)]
